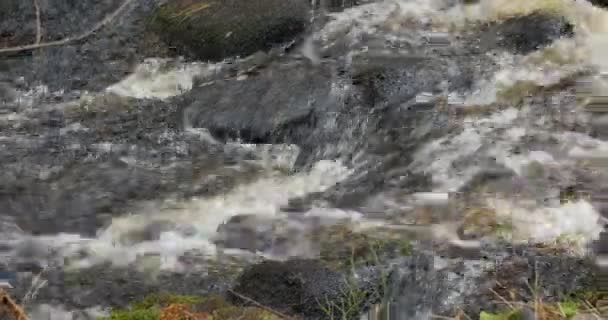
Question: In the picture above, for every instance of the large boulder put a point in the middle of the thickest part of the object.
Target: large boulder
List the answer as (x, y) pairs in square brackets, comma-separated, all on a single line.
[(276, 106), (214, 30)]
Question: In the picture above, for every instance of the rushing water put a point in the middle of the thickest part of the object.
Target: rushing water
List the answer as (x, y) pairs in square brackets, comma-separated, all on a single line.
[(452, 160)]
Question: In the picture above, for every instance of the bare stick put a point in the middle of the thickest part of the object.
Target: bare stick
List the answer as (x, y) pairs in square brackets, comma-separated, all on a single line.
[(67, 40), (38, 25), (503, 299), (257, 304)]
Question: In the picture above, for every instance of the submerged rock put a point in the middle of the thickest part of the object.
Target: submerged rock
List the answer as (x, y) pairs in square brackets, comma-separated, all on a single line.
[(245, 232), (214, 30), (525, 34)]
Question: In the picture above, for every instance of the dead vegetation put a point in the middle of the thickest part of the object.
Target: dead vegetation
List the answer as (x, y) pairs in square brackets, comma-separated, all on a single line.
[(9, 309)]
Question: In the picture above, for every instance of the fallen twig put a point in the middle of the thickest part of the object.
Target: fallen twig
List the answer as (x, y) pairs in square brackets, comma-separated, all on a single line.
[(35, 286), (67, 40), (503, 299), (257, 304)]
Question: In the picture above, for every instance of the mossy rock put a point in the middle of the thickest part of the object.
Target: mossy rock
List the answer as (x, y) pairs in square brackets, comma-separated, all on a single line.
[(292, 287), (343, 248), (214, 29)]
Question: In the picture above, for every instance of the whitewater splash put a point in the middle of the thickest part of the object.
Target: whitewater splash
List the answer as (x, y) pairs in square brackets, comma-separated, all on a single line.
[(454, 160), (195, 222)]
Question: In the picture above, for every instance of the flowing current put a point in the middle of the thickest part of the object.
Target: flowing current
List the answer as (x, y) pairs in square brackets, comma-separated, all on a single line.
[(543, 135)]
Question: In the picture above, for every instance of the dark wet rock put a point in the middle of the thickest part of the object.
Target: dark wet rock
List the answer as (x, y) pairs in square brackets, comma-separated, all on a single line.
[(68, 169), (421, 283), (425, 283), (266, 108), (92, 64), (209, 30), (87, 191), (294, 287), (291, 237), (108, 286), (525, 34), (339, 5), (599, 3), (148, 232), (246, 232), (289, 103)]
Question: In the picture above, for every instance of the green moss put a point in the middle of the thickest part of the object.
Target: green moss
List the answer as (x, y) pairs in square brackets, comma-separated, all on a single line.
[(506, 315), (566, 309), (570, 307), (162, 300), (150, 308), (134, 314), (586, 295), (504, 230)]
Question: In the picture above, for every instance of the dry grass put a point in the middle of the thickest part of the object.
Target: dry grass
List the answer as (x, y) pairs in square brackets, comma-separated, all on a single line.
[(181, 312), (9, 309), (541, 309)]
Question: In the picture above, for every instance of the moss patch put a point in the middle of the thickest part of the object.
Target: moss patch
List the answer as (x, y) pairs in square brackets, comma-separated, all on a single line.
[(135, 314), (506, 315), (184, 307), (163, 300)]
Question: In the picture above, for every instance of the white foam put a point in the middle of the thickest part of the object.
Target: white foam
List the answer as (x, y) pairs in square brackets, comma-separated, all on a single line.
[(162, 78), (437, 157), (58, 312), (263, 197), (573, 220)]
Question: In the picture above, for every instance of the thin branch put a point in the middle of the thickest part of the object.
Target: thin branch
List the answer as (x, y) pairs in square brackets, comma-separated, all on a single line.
[(38, 24), (257, 304), (35, 286), (503, 299), (109, 18)]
